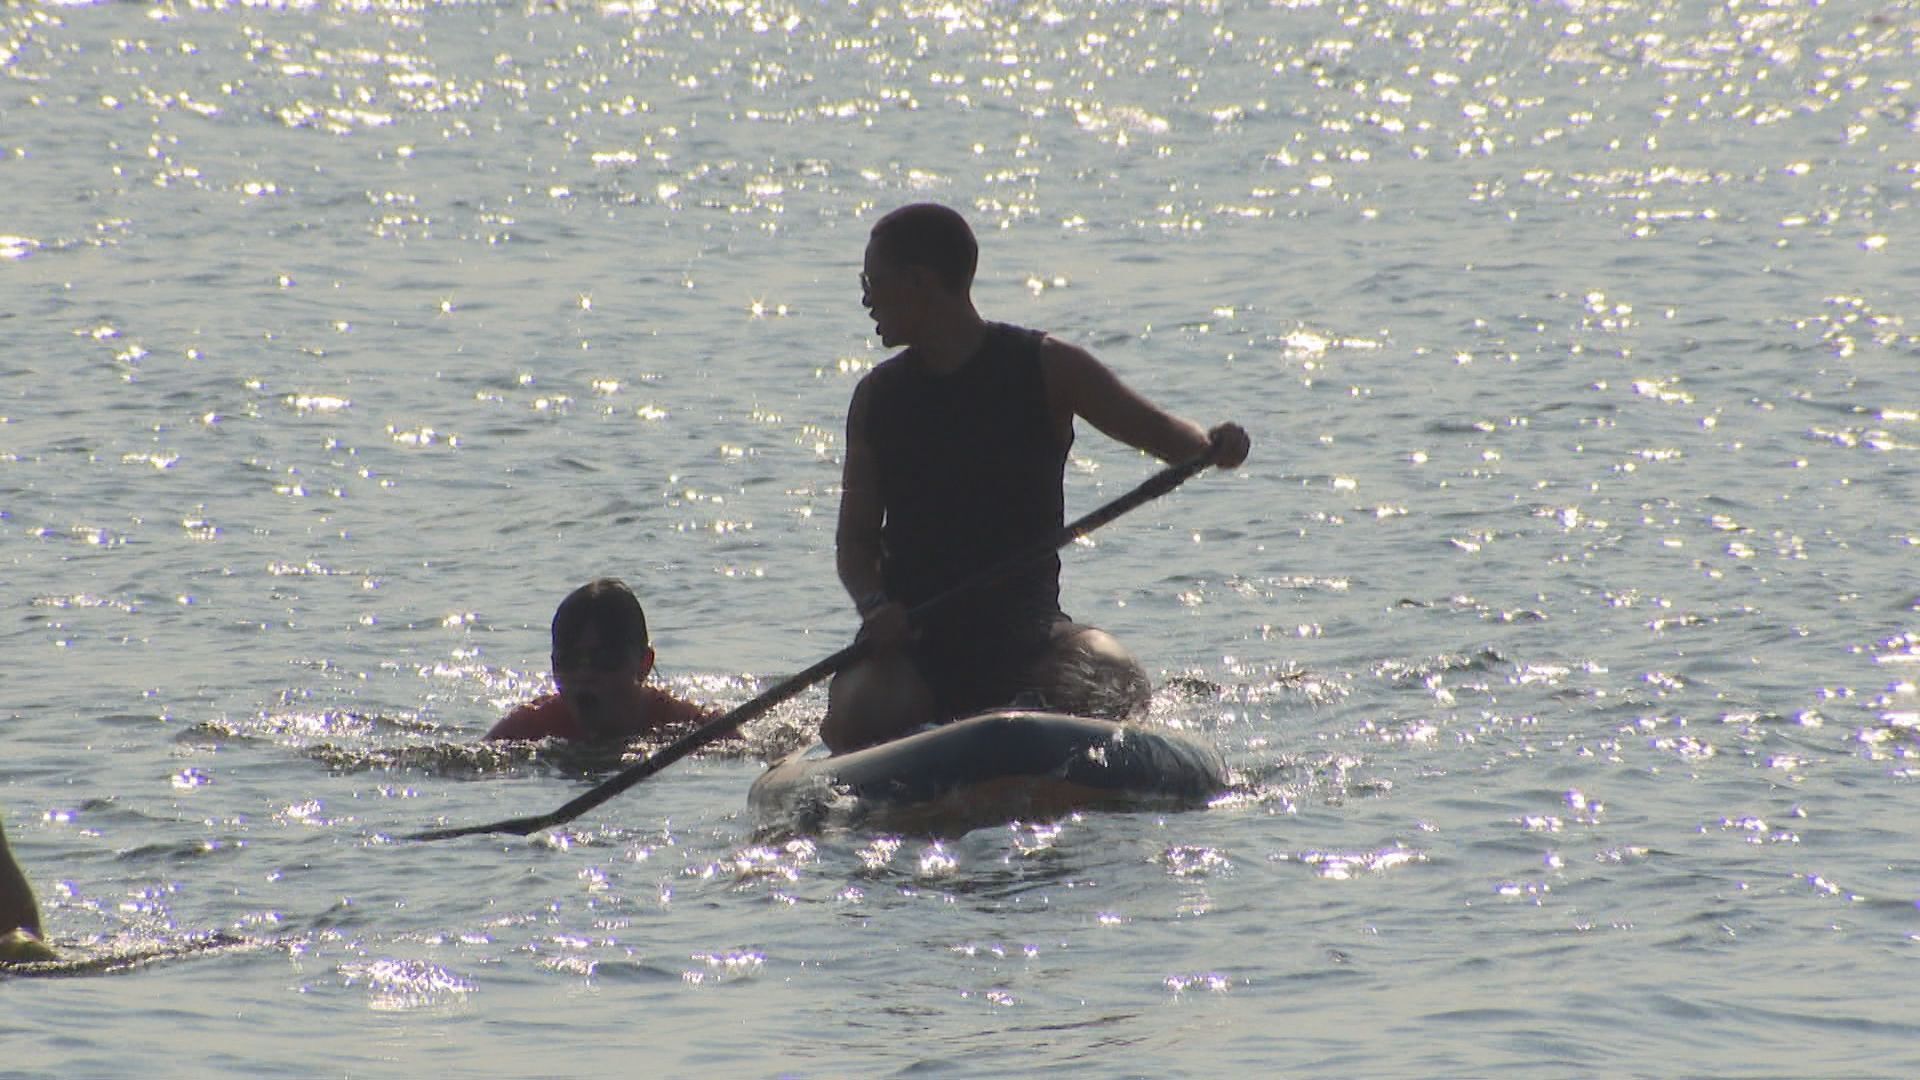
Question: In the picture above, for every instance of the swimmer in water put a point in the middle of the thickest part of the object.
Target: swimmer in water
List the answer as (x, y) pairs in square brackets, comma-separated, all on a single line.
[(601, 659)]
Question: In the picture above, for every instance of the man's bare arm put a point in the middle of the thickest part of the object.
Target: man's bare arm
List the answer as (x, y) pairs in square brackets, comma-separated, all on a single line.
[(857, 532), (1080, 385)]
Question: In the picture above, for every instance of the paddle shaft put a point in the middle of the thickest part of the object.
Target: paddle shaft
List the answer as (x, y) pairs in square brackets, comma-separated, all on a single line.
[(1152, 488)]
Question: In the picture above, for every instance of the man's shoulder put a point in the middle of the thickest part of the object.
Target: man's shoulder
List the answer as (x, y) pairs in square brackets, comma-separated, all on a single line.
[(1064, 362), (1051, 347), (885, 380), (665, 710), (889, 368), (543, 717)]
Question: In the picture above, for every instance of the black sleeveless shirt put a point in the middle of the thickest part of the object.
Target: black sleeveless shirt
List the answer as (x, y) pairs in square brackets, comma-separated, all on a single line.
[(970, 474)]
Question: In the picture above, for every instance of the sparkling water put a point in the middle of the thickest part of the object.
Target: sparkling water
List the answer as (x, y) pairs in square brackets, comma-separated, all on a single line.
[(1562, 630)]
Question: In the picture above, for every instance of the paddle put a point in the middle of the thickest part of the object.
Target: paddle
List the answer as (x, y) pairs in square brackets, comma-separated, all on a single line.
[(1155, 486)]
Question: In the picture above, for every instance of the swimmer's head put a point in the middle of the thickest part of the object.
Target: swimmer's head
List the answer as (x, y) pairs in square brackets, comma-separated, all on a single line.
[(601, 653)]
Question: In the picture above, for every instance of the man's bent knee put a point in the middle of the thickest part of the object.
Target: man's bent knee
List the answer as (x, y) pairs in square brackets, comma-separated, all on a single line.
[(880, 698)]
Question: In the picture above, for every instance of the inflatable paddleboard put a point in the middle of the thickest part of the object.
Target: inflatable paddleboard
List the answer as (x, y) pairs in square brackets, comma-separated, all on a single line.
[(990, 769)]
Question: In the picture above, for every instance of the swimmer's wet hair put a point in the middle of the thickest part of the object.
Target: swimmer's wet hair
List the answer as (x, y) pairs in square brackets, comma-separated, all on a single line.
[(606, 605)]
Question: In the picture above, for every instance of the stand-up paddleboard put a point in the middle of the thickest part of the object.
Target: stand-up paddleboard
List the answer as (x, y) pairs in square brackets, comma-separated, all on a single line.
[(990, 769)]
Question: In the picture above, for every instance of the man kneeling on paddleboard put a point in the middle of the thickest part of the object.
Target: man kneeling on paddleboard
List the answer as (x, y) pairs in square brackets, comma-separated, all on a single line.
[(955, 460), (601, 659)]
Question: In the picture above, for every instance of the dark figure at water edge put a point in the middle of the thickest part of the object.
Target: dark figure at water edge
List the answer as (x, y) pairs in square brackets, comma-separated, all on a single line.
[(19, 914), (955, 460), (601, 659)]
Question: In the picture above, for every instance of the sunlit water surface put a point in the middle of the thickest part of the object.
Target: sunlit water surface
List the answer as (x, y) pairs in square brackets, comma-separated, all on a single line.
[(1563, 630)]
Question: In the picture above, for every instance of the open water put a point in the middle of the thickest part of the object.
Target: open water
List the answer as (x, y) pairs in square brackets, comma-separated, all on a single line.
[(1563, 630)]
